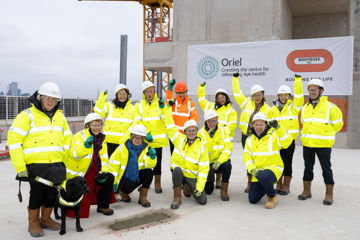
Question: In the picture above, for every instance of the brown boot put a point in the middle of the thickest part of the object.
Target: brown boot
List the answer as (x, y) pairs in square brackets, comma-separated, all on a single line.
[(187, 190), (142, 197), (307, 191), (34, 223), (123, 197), (279, 185), (105, 211), (46, 220), (328, 195), (218, 180), (272, 201), (158, 184), (285, 190), (224, 191), (177, 198), (247, 189)]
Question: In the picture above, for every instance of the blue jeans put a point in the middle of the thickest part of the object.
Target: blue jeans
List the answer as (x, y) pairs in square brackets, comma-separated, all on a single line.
[(265, 185)]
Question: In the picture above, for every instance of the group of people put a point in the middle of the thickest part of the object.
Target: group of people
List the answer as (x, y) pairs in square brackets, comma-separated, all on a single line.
[(120, 148)]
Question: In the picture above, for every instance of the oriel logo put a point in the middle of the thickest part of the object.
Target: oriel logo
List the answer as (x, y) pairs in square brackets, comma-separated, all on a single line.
[(309, 60), (208, 67)]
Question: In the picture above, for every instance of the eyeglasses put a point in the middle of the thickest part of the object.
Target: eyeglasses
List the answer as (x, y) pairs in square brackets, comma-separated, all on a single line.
[(96, 125), (191, 131), (258, 95), (314, 90), (211, 121), (137, 138), (49, 99)]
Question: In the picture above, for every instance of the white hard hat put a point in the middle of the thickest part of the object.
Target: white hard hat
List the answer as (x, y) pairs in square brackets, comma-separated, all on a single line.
[(209, 114), (50, 89), (190, 123), (284, 89), (317, 82), (220, 90), (260, 116), (119, 87), (139, 129), (91, 117), (256, 88), (146, 85)]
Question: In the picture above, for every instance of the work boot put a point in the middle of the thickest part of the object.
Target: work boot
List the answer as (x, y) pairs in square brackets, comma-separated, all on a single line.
[(329, 194), (34, 223), (272, 201), (123, 197), (285, 190), (247, 189), (177, 198), (279, 185), (187, 190), (46, 220), (224, 191), (218, 180), (158, 184), (307, 191), (142, 197), (105, 211)]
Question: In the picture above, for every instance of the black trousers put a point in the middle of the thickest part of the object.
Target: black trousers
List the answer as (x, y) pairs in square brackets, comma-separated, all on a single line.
[(287, 157), (41, 194), (171, 147), (145, 176), (324, 155), (111, 147), (105, 191), (225, 169), (157, 168)]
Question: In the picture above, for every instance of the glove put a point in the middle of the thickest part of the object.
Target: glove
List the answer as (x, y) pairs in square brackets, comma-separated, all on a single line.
[(23, 174), (115, 187), (171, 102), (89, 141), (216, 165), (236, 74), (203, 84), (255, 172), (172, 84), (101, 177), (148, 137), (152, 153), (297, 76), (105, 92), (274, 124), (161, 103), (197, 193)]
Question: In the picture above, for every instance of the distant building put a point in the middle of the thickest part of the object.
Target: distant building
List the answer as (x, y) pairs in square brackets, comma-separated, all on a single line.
[(25, 94), (1, 93), (14, 89)]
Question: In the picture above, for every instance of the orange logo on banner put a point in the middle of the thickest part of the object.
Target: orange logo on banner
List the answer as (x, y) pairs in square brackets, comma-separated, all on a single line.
[(309, 56)]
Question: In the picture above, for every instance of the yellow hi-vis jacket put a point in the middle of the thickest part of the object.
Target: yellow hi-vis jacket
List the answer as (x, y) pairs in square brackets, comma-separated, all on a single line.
[(289, 115), (247, 106), (265, 153), (320, 124), (193, 159), (219, 147), (150, 118), (227, 116), (117, 120), (120, 157), (80, 157), (34, 137)]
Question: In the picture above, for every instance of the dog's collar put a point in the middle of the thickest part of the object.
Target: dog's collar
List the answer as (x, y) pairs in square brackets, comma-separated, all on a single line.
[(69, 204)]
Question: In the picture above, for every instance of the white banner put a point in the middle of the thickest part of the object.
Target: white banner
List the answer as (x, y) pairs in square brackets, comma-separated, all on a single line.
[(273, 63)]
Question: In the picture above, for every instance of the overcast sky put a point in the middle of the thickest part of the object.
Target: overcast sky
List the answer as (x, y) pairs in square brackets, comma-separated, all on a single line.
[(74, 44)]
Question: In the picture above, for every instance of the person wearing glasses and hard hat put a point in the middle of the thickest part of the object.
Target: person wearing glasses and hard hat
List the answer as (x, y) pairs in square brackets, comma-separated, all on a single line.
[(321, 120), (262, 157), (119, 115), (219, 147), (132, 164), (286, 112), (189, 162), (39, 142), (249, 107)]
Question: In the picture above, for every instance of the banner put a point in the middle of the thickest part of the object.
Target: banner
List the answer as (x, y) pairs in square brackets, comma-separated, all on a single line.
[(272, 64)]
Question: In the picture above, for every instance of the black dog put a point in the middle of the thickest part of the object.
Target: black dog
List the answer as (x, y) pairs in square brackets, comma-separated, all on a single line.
[(71, 199)]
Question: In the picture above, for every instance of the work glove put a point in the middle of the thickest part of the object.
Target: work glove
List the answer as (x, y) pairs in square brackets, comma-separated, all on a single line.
[(89, 141), (105, 92), (197, 193), (297, 76), (172, 84), (255, 172), (152, 153), (115, 187), (216, 165), (171, 102), (274, 124), (203, 84), (23, 174), (148, 137), (101, 177), (161, 103), (236, 74)]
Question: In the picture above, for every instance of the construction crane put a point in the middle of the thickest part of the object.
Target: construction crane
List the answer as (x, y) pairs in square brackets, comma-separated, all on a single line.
[(156, 29)]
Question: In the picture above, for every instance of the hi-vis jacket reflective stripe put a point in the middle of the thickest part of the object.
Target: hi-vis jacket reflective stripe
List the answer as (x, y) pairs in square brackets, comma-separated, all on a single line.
[(150, 118), (120, 157), (219, 147), (117, 120), (182, 111), (288, 117), (194, 159), (265, 153), (80, 157), (246, 104), (35, 138), (227, 115), (320, 124)]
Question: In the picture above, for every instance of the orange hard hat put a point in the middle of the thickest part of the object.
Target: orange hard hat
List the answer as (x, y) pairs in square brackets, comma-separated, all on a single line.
[(181, 87)]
